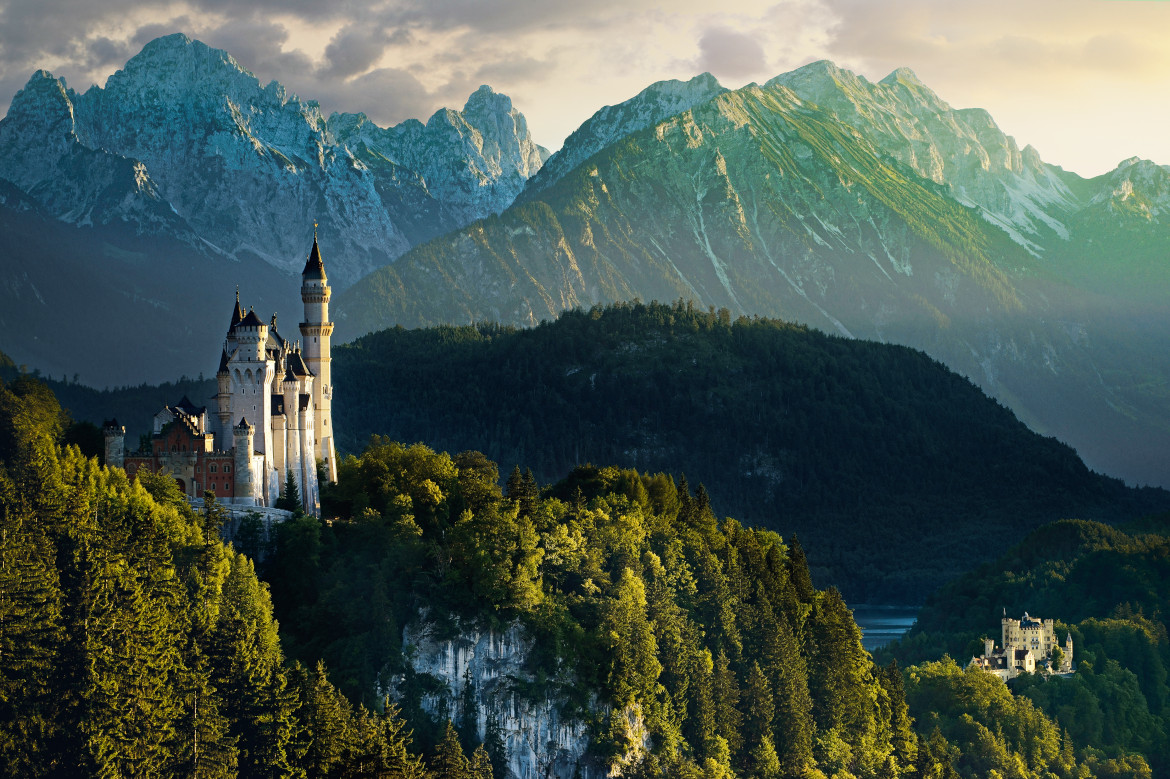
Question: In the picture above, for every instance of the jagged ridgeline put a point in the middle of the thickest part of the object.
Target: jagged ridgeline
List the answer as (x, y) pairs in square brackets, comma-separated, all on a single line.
[(869, 209), (897, 472)]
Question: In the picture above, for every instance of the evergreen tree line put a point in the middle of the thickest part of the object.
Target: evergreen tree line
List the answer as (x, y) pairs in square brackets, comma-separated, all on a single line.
[(135, 643), (871, 452)]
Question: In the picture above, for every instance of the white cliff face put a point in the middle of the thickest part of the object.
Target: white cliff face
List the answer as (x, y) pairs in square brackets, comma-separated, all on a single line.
[(186, 141), (655, 103), (961, 149), (540, 740)]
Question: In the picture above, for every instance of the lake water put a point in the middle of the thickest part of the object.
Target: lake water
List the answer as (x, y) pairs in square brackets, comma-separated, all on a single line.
[(881, 623)]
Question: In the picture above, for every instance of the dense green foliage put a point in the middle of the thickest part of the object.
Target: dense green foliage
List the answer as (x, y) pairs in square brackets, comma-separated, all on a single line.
[(1107, 588), (870, 452), (134, 643), (706, 636)]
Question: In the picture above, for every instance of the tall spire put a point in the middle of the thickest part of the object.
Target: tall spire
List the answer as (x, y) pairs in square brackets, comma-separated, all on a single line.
[(238, 311), (314, 268)]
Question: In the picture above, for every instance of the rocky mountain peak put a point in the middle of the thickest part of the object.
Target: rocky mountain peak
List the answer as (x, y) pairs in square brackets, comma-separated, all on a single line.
[(487, 100), (175, 67), (657, 102), (902, 75), (963, 149), (45, 100), (192, 131)]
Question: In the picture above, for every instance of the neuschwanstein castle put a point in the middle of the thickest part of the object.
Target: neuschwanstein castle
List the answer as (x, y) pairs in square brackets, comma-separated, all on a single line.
[(272, 413)]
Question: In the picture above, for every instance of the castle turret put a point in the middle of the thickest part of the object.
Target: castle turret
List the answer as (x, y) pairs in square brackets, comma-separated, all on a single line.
[(245, 487), (316, 330), (115, 436), (223, 398), (988, 647)]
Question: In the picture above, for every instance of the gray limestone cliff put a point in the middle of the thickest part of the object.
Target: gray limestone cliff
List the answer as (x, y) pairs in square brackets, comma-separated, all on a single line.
[(539, 737)]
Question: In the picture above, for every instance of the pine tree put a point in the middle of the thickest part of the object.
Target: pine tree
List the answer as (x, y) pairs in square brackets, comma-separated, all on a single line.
[(204, 748), (496, 747), (448, 761), (902, 738), (31, 634), (759, 707), (481, 764), (798, 571), (328, 718), (290, 496), (725, 691), (215, 517)]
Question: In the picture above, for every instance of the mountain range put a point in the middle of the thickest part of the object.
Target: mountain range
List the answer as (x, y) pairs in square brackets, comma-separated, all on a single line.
[(184, 159), (871, 210)]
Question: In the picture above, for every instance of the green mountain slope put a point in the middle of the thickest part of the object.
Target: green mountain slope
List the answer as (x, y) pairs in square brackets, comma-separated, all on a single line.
[(765, 203), (872, 453)]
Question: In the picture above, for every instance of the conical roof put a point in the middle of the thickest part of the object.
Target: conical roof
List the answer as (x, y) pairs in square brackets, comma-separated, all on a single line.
[(237, 312), (314, 268)]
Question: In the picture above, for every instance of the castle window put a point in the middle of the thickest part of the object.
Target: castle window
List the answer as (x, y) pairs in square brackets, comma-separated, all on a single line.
[(227, 469), (214, 468)]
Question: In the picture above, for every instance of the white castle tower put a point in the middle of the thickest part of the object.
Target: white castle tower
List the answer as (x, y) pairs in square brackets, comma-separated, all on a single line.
[(316, 331), (272, 417)]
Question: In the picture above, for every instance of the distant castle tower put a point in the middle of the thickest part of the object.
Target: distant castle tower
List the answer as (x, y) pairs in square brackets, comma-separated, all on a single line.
[(115, 436), (272, 414), (316, 330), (245, 487)]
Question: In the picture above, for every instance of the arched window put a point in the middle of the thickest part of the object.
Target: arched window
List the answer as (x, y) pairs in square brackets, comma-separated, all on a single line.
[(213, 468)]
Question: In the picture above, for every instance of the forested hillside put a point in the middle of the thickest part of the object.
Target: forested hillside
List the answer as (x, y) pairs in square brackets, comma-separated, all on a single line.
[(136, 643), (871, 452), (1106, 587)]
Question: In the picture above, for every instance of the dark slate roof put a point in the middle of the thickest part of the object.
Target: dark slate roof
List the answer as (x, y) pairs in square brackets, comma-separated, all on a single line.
[(289, 375), (296, 364), (314, 268), (185, 405), (223, 363), (251, 320)]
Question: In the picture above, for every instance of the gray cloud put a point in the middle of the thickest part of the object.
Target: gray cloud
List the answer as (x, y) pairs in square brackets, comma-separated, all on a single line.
[(354, 49), (386, 95), (728, 53)]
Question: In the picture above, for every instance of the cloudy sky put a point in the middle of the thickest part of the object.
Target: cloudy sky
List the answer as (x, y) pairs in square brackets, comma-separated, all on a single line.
[(1087, 82)]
